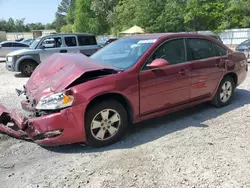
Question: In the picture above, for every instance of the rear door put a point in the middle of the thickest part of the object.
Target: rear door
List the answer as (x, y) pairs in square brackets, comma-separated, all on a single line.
[(70, 44), (168, 86), (207, 67), (87, 44)]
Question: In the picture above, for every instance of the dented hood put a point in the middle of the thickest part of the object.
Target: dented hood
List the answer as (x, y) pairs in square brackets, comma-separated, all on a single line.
[(58, 72)]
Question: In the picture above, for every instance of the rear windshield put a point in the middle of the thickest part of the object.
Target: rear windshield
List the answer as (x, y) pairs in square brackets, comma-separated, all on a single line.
[(86, 40)]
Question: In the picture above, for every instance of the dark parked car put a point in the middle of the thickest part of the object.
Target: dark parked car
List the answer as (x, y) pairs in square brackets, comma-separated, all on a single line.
[(244, 47), (74, 98)]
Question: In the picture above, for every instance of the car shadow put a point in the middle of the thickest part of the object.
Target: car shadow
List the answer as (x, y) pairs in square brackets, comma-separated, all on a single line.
[(154, 129)]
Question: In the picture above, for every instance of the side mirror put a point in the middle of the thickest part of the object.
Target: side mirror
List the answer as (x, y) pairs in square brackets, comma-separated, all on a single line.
[(43, 47), (158, 63)]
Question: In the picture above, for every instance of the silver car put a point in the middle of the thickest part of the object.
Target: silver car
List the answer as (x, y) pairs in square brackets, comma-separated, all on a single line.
[(26, 60), (9, 46)]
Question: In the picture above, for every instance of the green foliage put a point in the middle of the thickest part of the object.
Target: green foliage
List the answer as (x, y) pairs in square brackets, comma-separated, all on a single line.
[(18, 25), (67, 28), (85, 18), (114, 16)]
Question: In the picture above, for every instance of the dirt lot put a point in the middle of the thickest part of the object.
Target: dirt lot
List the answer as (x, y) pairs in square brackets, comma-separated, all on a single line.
[(198, 147)]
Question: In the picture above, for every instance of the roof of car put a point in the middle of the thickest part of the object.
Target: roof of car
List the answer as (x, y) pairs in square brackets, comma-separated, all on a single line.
[(77, 34), (4, 42), (160, 35)]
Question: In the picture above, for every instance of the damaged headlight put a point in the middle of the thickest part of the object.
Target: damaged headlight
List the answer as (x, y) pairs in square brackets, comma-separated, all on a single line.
[(55, 101)]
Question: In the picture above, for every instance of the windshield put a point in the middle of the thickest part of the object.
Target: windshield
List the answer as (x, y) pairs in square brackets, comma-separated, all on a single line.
[(35, 43), (123, 53)]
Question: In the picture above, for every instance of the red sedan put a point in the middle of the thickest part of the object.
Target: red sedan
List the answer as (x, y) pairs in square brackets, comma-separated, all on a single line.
[(73, 98)]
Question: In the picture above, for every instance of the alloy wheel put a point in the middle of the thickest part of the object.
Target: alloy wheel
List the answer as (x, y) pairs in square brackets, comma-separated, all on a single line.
[(226, 91), (105, 124)]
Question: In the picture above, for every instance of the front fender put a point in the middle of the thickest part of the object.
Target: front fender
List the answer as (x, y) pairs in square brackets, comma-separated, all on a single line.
[(26, 57)]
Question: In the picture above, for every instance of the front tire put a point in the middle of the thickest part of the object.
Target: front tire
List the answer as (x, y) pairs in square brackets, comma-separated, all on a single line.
[(27, 67), (106, 123), (225, 92)]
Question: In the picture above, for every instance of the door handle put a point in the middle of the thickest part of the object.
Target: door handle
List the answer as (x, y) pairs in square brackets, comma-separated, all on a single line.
[(63, 51), (183, 72)]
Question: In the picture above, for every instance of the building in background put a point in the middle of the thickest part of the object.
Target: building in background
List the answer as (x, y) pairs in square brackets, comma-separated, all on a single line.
[(29, 35), (3, 36)]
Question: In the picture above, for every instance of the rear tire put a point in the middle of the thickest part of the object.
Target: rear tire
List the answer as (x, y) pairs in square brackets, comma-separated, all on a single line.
[(27, 67), (225, 92), (106, 123)]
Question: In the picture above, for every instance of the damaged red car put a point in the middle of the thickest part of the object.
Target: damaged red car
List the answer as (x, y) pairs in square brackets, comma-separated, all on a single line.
[(73, 98)]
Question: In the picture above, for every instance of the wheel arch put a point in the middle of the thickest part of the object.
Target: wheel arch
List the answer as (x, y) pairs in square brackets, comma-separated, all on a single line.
[(234, 76), (23, 59), (113, 96)]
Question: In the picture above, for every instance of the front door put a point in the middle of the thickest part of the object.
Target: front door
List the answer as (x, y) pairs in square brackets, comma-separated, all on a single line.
[(49, 46), (168, 86), (207, 67)]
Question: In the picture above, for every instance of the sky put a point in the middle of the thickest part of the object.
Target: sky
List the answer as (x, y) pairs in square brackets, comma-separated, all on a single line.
[(32, 10)]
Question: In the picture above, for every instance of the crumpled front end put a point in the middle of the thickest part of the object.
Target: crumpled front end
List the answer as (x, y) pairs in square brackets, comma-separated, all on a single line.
[(57, 117), (57, 128), (13, 123)]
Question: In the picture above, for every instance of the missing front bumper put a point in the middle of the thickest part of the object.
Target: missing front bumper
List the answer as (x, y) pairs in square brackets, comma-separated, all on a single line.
[(13, 123), (16, 125)]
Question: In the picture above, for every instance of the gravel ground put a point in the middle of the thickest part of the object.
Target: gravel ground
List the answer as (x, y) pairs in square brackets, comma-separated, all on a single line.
[(198, 147)]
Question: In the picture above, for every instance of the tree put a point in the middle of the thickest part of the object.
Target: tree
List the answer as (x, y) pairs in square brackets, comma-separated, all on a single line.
[(244, 6), (61, 13), (85, 18), (172, 17), (205, 14), (50, 26), (67, 28), (104, 11), (35, 26), (70, 17)]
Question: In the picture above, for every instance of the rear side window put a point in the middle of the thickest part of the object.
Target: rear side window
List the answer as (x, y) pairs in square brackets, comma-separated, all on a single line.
[(86, 40), (9, 44), (19, 45), (70, 41), (221, 51), (201, 49)]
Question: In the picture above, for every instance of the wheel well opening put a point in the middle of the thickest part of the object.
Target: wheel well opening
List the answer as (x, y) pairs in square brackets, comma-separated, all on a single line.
[(234, 76), (114, 96), (26, 60)]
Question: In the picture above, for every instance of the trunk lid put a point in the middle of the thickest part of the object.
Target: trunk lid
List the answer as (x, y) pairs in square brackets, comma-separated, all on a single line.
[(58, 72)]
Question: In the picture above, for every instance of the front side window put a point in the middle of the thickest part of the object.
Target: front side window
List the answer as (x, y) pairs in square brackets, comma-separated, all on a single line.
[(52, 42), (201, 49), (173, 51), (123, 53), (70, 41)]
